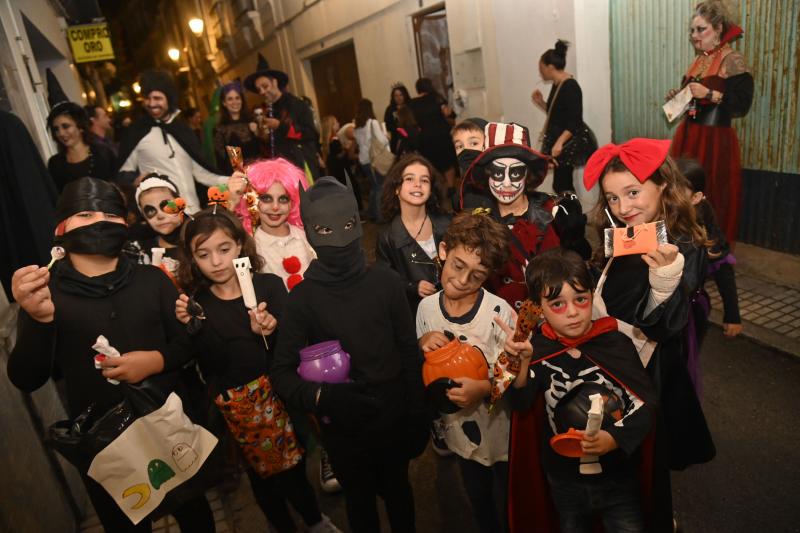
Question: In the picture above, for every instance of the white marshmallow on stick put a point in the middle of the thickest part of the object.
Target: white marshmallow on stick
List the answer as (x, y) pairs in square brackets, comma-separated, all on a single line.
[(242, 266), (590, 464)]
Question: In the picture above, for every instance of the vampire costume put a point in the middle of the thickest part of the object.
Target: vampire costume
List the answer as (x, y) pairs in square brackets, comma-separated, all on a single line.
[(166, 145), (374, 423), (507, 174), (296, 138), (607, 363)]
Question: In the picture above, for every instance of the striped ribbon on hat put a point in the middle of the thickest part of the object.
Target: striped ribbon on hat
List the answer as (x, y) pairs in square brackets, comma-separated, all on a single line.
[(498, 133)]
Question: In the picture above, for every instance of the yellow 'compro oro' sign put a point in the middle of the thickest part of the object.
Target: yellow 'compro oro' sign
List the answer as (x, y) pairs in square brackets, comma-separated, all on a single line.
[(90, 42)]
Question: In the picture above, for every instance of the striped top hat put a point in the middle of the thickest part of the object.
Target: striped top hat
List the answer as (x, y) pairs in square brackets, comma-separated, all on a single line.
[(508, 140)]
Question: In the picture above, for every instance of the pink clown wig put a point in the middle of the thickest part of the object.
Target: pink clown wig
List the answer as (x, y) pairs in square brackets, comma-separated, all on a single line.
[(262, 175)]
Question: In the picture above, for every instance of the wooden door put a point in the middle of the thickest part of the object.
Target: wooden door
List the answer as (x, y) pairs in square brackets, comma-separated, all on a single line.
[(336, 82)]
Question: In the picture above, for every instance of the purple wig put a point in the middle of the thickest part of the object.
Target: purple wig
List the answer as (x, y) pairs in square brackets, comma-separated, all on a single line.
[(263, 174)]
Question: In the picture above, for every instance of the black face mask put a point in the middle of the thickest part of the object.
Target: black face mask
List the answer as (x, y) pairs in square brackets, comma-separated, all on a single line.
[(101, 238), (337, 263), (466, 157)]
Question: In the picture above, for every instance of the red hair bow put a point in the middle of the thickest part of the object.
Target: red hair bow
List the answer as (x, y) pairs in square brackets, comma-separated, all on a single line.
[(641, 156)]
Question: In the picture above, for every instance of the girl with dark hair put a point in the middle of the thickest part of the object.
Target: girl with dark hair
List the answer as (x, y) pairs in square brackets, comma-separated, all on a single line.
[(409, 244), (234, 347), (367, 128), (96, 291), (650, 294), (431, 111), (407, 132), (235, 127), (565, 135), (398, 100), (78, 156)]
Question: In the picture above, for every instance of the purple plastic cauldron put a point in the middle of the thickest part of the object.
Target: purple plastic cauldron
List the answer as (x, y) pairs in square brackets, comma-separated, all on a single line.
[(324, 362)]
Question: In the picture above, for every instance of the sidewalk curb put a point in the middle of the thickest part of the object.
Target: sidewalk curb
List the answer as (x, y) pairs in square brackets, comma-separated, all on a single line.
[(762, 336)]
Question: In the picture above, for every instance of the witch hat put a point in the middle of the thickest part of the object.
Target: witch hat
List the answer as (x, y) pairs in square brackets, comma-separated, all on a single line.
[(262, 69), (58, 101), (55, 94)]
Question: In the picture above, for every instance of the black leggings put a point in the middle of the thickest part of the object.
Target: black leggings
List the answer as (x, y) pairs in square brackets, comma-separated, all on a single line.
[(194, 516), (272, 494), (562, 178), (484, 485)]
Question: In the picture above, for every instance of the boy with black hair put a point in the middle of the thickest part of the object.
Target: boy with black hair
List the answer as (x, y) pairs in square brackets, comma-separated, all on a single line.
[(573, 359), (472, 248)]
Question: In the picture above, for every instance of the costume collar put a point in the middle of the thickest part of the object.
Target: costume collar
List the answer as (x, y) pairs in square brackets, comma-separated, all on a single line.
[(599, 326)]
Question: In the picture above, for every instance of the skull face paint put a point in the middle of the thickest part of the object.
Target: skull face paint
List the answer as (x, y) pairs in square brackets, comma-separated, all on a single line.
[(506, 177)]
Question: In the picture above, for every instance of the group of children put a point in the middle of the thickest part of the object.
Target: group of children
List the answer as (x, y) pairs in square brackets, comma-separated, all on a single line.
[(465, 278)]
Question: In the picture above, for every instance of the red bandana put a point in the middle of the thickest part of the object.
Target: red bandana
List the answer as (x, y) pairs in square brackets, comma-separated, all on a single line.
[(641, 156)]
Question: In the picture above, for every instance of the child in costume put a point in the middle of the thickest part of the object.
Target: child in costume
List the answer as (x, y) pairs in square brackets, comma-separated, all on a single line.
[(565, 363), (721, 260), (650, 294), (162, 208), (281, 241), (374, 423), (95, 290), (409, 245), (472, 248), (508, 172), (279, 234), (234, 347)]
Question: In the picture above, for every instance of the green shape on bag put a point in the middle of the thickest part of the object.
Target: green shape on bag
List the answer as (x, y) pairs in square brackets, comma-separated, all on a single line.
[(266, 444), (159, 472)]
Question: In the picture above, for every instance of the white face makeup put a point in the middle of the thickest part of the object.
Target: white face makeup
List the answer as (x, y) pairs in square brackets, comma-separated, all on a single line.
[(506, 176)]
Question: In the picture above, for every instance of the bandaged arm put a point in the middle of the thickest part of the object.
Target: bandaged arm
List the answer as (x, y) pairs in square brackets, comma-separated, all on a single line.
[(663, 282)]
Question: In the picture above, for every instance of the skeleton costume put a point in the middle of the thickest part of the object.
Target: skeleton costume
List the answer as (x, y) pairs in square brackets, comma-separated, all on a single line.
[(608, 359)]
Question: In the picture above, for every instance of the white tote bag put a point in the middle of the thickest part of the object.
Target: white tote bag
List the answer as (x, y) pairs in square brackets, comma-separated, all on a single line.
[(154, 455)]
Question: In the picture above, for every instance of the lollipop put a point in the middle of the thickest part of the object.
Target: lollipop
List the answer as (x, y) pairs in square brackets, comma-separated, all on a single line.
[(56, 253)]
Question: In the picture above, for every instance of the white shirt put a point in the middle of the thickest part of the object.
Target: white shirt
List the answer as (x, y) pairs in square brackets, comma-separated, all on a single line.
[(275, 249), (364, 139), (479, 330), (152, 154)]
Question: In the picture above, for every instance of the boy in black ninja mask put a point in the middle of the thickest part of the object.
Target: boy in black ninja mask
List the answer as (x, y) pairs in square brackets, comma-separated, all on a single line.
[(95, 291), (373, 424)]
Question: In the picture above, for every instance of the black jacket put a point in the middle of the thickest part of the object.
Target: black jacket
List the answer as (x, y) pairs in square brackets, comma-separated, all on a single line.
[(399, 251)]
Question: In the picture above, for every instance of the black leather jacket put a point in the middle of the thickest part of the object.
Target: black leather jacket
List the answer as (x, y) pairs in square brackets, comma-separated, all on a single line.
[(400, 252)]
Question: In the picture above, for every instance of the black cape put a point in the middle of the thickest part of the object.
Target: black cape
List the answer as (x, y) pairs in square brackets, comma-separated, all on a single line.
[(530, 507), (27, 203)]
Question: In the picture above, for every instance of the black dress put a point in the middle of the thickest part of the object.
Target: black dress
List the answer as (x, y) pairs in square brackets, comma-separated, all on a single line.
[(566, 114), (101, 164), (625, 294), (235, 133), (434, 140)]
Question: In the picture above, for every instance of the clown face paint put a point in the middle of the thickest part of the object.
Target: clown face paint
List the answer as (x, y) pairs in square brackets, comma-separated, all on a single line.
[(506, 177), (273, 210)]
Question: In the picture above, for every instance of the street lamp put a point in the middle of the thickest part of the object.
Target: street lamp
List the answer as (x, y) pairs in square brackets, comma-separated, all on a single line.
[(174, 54), (136, 87), (196, 25)]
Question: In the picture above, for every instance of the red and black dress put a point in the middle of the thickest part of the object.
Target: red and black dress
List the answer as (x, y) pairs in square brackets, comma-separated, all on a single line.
[(707, 135)]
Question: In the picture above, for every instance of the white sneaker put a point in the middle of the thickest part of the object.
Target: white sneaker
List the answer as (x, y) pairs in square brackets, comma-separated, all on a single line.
[(327, 478), (324, 526)]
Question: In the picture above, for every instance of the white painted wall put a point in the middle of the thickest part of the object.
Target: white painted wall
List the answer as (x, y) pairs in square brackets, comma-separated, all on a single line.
[(593, 51)]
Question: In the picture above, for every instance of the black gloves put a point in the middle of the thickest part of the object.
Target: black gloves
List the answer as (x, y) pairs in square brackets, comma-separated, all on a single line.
[(347, 404)]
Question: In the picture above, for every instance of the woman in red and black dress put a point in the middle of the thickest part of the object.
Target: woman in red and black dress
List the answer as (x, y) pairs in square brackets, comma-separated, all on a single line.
[(722, 88)]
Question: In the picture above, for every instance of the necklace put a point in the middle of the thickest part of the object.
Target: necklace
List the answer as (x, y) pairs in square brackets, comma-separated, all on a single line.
[(424, 220)]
